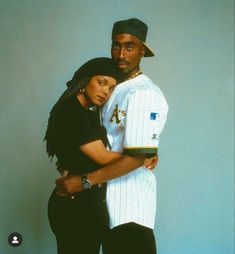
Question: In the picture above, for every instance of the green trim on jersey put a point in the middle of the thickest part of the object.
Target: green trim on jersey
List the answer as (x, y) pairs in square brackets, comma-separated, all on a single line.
[(140, 150)]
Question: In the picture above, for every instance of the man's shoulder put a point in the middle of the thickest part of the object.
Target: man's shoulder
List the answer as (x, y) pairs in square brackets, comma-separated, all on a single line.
[(143, 84)]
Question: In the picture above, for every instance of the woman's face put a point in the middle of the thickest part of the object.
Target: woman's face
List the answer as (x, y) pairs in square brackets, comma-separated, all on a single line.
[(99, 89)]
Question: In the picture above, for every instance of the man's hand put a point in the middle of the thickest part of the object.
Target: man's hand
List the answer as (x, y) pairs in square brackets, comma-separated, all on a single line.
[(68, 185), (151, 163)]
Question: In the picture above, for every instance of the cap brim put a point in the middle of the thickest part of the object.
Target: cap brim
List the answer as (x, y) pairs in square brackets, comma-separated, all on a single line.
[(148, 50)]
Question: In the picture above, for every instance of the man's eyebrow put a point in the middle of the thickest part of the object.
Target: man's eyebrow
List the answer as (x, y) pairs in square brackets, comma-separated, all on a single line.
[(126, 42)]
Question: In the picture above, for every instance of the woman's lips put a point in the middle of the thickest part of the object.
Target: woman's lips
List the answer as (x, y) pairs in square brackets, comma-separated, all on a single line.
[(101, 99)]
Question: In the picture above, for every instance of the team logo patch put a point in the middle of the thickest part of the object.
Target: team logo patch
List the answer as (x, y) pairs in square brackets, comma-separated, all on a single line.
[(154, 116), (117, 115)]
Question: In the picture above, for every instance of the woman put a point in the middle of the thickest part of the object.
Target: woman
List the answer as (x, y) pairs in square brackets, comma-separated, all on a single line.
[(76, 138)]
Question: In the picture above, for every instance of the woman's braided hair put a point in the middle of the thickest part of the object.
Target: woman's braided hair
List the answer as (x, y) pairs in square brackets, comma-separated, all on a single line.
[(72, 89)]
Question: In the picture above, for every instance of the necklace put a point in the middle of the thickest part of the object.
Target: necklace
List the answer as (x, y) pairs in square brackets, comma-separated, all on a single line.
[(135, 75)]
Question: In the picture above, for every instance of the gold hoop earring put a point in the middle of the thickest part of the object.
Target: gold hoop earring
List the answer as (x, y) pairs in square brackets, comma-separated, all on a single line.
[(82, 90)]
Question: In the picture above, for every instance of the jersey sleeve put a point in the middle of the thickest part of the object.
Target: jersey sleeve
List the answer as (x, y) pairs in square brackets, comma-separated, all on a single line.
[(145, 119)]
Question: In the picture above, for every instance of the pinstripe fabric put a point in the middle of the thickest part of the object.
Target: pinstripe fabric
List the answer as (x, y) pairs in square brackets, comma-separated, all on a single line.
[(134, 117)]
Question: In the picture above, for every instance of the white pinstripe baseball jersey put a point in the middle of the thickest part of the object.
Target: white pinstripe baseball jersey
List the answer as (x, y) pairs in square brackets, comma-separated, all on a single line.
[(134, 117)]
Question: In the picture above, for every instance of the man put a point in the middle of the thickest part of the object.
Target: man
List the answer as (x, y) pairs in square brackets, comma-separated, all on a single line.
[(133, 117)]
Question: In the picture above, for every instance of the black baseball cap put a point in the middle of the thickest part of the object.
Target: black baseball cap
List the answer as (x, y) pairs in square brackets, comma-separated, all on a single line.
[(134, 27)]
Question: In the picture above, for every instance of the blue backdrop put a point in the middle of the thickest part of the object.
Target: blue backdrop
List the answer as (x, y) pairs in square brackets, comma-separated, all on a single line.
[(42, 44)]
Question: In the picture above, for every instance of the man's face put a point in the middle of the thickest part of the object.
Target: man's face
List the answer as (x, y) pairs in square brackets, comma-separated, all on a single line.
[(127, 51)]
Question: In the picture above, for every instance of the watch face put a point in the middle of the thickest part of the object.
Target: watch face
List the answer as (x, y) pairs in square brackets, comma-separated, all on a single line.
[(86, 185)]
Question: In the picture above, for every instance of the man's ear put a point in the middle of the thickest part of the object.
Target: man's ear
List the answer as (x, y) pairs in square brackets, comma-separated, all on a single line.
[(143, 51)]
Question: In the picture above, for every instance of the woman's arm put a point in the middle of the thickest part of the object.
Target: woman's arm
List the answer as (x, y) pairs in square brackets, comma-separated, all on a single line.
[(119, 167), (98, 153), (71, 184)]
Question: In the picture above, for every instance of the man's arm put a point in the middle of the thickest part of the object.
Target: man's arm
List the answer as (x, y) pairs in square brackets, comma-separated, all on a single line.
[(118, 168), (98, 152), (71, 184)]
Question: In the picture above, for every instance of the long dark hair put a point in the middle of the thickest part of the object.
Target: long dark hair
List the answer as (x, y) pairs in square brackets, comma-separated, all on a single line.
[(73, 89)]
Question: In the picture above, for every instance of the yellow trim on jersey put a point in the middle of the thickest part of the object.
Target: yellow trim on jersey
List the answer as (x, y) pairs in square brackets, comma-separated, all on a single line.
[(141, 147)]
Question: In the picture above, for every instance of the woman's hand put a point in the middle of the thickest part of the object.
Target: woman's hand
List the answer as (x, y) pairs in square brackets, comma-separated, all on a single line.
[(68, 185), (151, 163)]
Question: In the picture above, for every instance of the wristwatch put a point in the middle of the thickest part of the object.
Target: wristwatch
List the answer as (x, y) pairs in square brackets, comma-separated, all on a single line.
[(86, 184)]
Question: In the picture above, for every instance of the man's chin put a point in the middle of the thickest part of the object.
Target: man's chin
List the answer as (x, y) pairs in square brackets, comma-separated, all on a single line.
[(123, 70)]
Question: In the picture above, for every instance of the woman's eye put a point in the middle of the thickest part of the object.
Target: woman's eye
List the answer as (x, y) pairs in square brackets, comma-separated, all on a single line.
[(101, 82), (129, 48), (111, 89)]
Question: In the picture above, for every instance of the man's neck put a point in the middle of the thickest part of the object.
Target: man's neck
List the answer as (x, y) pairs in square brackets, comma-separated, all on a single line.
[(135, 74), (132, 74)]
